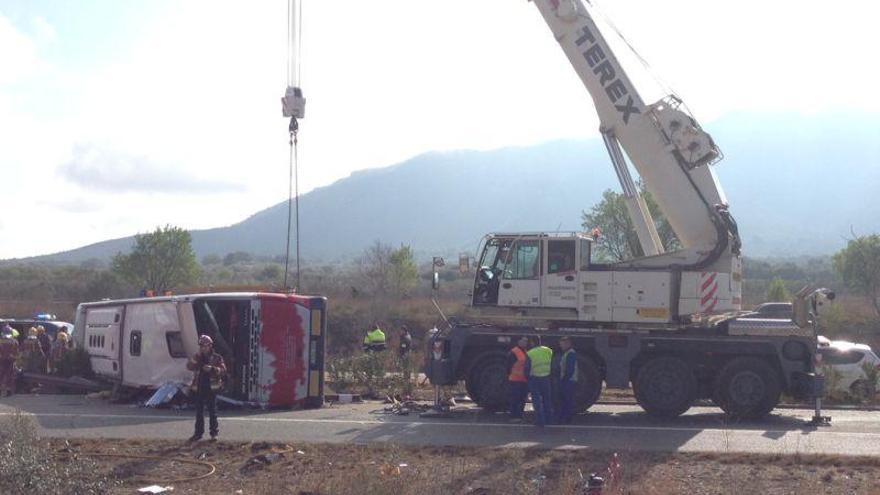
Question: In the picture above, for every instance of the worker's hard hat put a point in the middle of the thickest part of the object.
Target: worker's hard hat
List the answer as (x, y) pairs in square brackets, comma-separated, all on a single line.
[(206, 340)]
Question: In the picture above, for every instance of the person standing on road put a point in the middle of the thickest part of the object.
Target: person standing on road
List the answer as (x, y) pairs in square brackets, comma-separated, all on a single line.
[(517, 385), (568, 378), (8, 356), (45, 344), (59, 349), (32, 357), (208, 374), (538, 360)]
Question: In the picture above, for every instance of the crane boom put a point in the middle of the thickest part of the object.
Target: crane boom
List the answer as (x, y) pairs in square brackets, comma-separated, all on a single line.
[(665, 145)]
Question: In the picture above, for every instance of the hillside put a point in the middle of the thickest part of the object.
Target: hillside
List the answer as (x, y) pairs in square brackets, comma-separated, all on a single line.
[(796, 184)]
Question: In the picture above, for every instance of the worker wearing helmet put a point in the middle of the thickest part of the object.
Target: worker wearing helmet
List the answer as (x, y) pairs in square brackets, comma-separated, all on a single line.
[(12, 331), (8, 355), (32, 356), (209, 371), (59, 349), (45, 344)]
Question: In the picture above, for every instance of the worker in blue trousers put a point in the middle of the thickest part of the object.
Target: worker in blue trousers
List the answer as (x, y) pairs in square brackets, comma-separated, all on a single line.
[(568, 378), (538, 360)]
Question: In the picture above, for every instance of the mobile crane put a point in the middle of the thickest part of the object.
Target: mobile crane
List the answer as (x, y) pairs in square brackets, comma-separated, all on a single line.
[(669, 323)]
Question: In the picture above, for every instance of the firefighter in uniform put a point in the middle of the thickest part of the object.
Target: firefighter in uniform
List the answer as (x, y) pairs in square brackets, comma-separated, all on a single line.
[(374, 341), (209, 372), (59, 349), (538, 361), (517, 385), (568, 378), (8, 356), (32, 357)]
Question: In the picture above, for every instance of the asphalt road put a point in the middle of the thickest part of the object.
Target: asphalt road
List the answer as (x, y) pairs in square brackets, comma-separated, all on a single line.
[(613, 427)]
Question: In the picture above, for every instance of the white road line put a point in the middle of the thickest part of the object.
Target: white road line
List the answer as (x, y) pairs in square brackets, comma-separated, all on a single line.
[(451, 424)]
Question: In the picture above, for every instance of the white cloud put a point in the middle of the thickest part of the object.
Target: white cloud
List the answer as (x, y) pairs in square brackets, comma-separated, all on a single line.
[(43, 31), (72, 205), (97, 168), (18, 55)]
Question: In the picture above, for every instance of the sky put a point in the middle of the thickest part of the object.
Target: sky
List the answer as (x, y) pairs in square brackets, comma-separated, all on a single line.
[(120, 116)]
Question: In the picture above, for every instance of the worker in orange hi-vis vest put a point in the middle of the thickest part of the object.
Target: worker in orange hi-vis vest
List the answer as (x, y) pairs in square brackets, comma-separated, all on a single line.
[(517, 384), (8, 356)]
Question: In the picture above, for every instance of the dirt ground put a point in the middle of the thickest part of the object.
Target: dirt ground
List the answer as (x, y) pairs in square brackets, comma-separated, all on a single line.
[(311, 469)]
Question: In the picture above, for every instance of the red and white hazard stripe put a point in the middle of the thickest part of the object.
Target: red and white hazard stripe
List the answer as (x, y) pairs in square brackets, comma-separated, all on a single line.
[(708, 292)]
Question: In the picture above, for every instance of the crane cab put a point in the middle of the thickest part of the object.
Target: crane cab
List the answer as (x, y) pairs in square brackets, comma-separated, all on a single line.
[(552, 276), (537, 271)]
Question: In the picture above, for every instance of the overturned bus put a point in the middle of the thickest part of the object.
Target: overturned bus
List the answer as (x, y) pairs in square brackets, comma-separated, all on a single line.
[(273, 344)]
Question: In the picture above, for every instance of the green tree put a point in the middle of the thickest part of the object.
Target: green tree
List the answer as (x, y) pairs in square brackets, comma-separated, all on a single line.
[(271, 273), (619, 240), (237, 257), (859, 266), (388, 271), (403, 272), (777, 292), (160, 260)]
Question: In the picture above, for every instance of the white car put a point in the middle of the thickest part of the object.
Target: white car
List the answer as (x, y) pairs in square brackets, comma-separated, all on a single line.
[(850, 368)]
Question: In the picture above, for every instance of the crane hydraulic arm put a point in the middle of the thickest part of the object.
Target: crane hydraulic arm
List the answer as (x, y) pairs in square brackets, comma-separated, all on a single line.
[(667, 147)]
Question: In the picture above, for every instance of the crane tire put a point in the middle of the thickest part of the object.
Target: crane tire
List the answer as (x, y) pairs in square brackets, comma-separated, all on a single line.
[(665, 387), (747, 388), (589, 385), (488, 381)]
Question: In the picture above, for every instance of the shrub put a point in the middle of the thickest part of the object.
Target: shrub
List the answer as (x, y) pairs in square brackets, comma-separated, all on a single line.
[(374, 374), (28, 467)]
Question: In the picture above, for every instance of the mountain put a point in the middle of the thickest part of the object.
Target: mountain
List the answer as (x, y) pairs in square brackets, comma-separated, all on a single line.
[(797, 184)]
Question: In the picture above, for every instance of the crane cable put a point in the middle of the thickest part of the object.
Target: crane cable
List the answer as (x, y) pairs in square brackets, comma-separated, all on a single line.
[(663, 83), (292, 201), (294, 47)]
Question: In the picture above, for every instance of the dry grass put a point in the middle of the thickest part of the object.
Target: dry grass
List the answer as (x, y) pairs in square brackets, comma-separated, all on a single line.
[(391, 469)]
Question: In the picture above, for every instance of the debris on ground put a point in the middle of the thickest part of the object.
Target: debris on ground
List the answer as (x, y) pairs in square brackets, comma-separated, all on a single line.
[(403, 408), (390, 470), (167, 393), (260, 461), (155, 489)]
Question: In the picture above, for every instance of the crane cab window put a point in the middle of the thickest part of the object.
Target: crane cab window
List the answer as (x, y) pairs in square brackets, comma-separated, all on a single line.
[(522, 261), (585, 255), (560, 256)]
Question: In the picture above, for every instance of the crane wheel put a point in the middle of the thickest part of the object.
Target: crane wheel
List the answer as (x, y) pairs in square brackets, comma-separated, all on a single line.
[(747, 388), (589, 385), (665, 387), (488, 381), (470, 387)]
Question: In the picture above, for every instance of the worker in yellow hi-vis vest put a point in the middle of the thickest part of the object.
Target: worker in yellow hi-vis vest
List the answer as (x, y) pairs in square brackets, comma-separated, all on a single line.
[(374, 341), (538, 360)]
